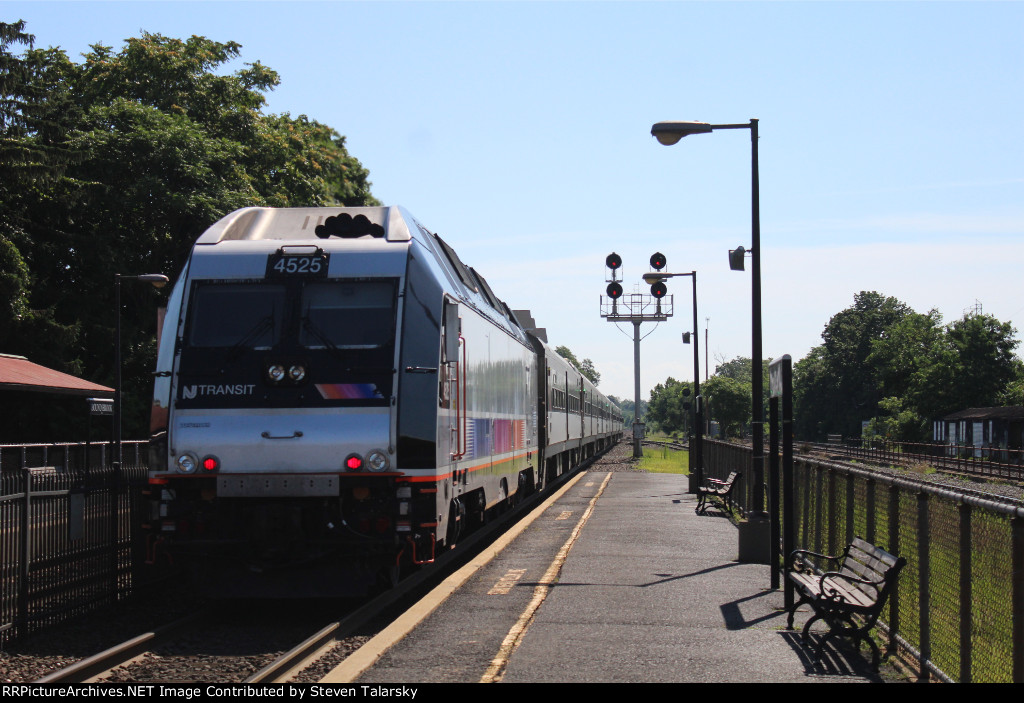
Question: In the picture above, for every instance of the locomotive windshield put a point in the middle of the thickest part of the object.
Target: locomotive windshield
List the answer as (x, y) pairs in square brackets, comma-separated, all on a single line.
[(226, 315), (355, 315), (335, 339)]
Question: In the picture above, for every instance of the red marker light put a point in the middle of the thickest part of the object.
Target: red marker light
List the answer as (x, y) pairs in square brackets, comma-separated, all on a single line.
[(354, 462), (211, 463)]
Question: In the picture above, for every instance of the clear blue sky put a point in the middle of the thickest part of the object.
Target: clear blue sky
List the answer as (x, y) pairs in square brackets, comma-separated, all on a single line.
[(891, 151)]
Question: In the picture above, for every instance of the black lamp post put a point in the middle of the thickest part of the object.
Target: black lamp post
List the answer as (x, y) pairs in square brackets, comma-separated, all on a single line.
[(697, 470), (158, 280), (669, 133)]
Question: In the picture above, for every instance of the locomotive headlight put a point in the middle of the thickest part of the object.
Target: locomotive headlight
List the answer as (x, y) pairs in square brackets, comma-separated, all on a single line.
[(297, 372), (276, 373), (187, 463), (377, 461)]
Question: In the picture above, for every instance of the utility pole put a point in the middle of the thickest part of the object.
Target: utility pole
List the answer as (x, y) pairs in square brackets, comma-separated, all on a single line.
[(637, 309)]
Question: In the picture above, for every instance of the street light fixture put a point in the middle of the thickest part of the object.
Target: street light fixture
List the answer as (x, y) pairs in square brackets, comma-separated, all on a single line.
[(669, 133), (158, 280), (736, 258)]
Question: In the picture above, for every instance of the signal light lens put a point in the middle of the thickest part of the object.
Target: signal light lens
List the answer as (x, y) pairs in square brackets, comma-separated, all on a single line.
[(297, 372), (658, 261), (276, 373), (659, 290), (614, 291), (613, 261), (354, 462), (210, 463)]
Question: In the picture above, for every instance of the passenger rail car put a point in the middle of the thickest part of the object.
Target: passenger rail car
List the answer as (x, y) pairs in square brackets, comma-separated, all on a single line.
[(337, 395)]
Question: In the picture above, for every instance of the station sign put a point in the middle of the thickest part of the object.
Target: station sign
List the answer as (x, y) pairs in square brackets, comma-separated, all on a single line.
[(100, 406)]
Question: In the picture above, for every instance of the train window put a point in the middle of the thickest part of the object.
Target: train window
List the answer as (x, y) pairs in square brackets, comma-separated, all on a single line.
[(243, 315), (348, 314)]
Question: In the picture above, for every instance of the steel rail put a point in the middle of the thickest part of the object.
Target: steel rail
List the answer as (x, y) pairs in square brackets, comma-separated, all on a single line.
[(90, 667), (305, 653)]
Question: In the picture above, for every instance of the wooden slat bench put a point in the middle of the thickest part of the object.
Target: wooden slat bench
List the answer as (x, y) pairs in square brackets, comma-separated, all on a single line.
[(716, 488), (858, 586)]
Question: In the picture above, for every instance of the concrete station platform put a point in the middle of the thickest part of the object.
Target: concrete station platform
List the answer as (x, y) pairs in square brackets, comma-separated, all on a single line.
[(613, 579)]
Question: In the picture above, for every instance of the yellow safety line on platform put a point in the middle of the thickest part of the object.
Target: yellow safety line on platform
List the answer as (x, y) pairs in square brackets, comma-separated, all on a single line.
[(364, 657), (496, 670)]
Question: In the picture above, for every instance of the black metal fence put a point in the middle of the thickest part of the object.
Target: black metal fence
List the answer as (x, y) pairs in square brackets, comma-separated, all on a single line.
[(67, 517), (959, 606)]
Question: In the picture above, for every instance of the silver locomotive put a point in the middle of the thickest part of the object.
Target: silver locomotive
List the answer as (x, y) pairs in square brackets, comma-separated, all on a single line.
[(337, 395)]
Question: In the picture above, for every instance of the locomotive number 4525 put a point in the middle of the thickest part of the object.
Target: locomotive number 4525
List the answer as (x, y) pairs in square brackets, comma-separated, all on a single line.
[(297, 264)]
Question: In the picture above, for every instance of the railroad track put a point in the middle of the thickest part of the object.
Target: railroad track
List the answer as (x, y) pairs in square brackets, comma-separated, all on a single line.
[(678, 446), (224, 642), (233, 643), (239, 643), (942, 465)]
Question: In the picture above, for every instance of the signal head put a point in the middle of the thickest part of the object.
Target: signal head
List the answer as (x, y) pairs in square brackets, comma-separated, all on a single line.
[(658, 261), (659, 290), (614, 291), (613, 261)]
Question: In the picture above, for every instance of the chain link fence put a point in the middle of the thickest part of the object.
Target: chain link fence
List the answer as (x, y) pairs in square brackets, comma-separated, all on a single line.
[(959, 606)]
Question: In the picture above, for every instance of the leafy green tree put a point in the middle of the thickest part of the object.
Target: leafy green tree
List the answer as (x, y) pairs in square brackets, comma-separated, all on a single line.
[(667, 409), (1013, 394), (899, 369), (728, 403), (896, 421), (740, 369), (972, 365), (117, 165), (835, 387), (628, 408), (585, 367), (904, 349), (34, 154), (927, 370)]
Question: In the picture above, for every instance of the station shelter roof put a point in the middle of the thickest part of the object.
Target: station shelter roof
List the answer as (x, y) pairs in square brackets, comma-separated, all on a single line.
[(1011, 412), (19, 374)]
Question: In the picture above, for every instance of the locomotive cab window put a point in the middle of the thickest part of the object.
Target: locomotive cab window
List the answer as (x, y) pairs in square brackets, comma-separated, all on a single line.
[(348, 314), (299, 342), (244, 315)]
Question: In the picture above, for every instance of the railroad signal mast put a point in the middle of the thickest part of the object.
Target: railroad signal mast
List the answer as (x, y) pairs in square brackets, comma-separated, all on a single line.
[(636, 308)]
